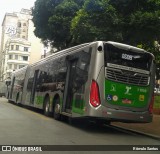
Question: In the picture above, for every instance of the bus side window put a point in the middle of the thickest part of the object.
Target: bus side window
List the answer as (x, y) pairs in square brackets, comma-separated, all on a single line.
[(61, 70), (30, 81), (41, 81), (81, 73)]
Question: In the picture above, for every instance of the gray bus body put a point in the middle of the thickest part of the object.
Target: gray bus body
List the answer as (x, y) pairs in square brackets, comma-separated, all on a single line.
[(98, 80)]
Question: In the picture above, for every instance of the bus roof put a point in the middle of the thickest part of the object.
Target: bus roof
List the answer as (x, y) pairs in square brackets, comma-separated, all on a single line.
[(72, 49), (59, 53), (20, 70)]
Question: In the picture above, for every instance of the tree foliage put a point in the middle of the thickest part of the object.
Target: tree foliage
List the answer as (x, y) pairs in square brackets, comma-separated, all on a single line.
[(52, 20), (70, 22), (97, 19), (139, 19), (139, 23)]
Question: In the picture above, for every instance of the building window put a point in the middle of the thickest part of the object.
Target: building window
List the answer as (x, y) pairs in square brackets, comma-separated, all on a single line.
[(16, 57), (17, 47), (15, 66), (20, 66), (24, 24), (10, 66), (25, 58), (19, 24), (9, 74), (10, 56), (26, 49), (12, 47), (23, 37)]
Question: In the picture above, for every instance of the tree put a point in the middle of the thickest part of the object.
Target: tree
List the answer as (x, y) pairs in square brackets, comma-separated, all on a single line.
[(97, 20), (140, 22), (140, 19), (52, 19), (70, 22), (41, 12), (134, 22)]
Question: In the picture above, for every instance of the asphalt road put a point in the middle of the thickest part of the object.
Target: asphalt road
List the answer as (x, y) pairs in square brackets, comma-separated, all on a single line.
[(20, 126)]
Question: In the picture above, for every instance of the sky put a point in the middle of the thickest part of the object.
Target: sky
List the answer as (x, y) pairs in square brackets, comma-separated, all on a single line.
[(9, 6)]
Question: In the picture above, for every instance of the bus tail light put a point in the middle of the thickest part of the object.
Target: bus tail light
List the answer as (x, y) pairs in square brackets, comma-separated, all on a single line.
[(94, 94), (151, 104)]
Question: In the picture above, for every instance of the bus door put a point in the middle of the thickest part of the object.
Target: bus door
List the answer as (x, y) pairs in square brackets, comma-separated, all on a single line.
[(34, 86), (68, 91)]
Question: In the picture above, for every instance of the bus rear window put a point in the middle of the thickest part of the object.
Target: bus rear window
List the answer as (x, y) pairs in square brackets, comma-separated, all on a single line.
[(127, 58)]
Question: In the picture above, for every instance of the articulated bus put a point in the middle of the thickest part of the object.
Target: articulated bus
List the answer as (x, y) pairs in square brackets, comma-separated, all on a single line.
[(102, 81)]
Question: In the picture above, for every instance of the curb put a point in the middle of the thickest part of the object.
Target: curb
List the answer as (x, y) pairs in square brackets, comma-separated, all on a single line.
[(138, 132)]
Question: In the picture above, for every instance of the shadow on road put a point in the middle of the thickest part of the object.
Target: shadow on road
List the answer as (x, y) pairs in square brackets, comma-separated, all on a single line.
[(93, 127)]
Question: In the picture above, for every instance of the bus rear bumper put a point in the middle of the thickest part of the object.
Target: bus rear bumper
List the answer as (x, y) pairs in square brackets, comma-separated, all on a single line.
[(130, 116), (123, 115)]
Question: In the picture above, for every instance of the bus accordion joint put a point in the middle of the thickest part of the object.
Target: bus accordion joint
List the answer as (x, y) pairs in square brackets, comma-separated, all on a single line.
[(94, 94)]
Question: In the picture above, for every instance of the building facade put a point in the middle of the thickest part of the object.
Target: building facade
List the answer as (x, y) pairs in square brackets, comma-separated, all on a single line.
[(19, 45)]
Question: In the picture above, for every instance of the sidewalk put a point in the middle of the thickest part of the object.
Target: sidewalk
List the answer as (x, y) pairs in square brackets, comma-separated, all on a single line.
[(151, 129)]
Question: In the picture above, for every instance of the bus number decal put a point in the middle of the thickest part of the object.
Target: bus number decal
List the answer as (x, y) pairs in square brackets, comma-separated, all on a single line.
[(128, 57), (142, 90)]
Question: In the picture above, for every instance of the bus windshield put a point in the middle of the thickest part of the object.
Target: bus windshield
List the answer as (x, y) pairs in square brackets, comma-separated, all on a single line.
[(127, 58)]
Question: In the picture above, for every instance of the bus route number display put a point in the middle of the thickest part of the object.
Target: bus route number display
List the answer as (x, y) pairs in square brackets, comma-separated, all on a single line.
[(127, 57)]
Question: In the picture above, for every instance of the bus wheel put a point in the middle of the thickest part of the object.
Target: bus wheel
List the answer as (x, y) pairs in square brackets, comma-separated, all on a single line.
[(17, 98), (46, 106), (56, 113)]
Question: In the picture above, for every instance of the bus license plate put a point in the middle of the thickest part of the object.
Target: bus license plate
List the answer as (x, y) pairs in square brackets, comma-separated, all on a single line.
[(126, 101)]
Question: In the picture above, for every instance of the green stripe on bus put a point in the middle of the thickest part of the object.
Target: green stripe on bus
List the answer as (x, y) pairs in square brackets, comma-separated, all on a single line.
[(39, 100), (78, 106), (126, 94)]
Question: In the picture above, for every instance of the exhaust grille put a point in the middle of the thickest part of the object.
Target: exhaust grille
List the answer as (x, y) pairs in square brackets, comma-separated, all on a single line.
[(128, 77)]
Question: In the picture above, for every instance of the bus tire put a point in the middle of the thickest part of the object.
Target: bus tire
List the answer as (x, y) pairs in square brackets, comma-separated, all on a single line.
[(46, 106), (56, 111), (17, 98)]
